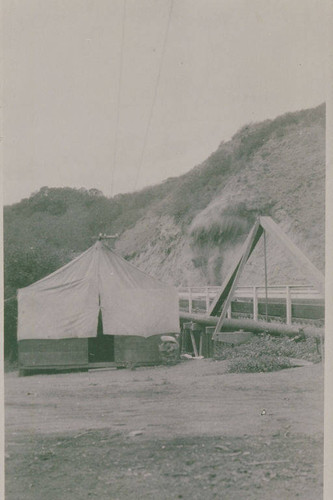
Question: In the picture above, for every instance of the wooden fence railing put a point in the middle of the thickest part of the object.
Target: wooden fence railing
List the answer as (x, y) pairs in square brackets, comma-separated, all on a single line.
[(293, 299)]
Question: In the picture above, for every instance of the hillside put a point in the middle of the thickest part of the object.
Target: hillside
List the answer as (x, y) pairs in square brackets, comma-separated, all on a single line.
[(188, 229), (272, 168)]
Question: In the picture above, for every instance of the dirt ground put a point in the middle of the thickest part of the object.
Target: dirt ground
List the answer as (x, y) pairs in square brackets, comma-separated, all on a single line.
[(190, 431)]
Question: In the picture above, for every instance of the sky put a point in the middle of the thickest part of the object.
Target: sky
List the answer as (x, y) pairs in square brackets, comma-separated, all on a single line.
[(121, 94)]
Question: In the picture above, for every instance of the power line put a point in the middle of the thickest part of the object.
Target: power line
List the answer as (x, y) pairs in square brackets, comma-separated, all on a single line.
[(154, 97), (10, 298), (121, 64)]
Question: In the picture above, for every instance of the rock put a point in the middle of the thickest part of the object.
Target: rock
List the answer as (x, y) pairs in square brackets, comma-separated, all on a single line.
[(186, 356), (135, 433)]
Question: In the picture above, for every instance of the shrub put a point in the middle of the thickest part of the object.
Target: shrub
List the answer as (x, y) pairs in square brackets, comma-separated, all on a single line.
[(267, 353), (263, 363)]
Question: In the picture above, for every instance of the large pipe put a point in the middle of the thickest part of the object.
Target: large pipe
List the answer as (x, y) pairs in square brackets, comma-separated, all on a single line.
[(251, 325)]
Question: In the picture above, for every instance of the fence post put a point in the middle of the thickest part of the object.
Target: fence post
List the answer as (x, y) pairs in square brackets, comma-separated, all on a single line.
[(189, 299), (229, 311), (288, 305), (207, 300), (255, 303)]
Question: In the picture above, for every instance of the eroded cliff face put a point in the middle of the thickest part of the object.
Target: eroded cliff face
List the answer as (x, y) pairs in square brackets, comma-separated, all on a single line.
[(158, 246), (283, 178)]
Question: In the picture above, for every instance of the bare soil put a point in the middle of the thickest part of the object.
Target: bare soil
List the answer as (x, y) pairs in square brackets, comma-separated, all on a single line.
[(190, 431)]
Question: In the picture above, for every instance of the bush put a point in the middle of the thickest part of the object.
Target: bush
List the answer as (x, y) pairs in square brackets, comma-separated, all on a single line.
[(263, 363), (267, 353)]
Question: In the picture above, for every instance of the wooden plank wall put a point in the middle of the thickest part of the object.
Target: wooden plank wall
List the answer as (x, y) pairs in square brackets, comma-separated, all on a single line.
[(73, 353), (49, 353), (132, 349)]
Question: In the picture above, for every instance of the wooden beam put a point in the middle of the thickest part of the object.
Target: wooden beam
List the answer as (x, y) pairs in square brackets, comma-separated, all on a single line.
[(267, 224), (288, 306), (248, 248), (207, 299), (200, 343), (194, 345), (223, 300), (300, 260), (189, 299), (255, 304), (249, 245)]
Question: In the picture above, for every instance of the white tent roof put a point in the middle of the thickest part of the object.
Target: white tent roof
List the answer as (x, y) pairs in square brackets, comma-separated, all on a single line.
[(66, 303)]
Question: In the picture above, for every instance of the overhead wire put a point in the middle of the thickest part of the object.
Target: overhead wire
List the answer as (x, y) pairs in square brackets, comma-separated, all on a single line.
[(142, 156), (10, 298), (120, 75)]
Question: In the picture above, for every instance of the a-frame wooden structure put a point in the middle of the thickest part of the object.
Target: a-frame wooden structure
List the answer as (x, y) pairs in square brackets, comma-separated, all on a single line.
[(222, 302)]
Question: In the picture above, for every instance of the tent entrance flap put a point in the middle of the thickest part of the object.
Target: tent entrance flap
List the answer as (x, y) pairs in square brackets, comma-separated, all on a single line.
[(101, 347)]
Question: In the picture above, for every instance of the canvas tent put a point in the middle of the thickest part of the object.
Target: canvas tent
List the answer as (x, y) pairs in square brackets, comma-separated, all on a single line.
[(96, 287)]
